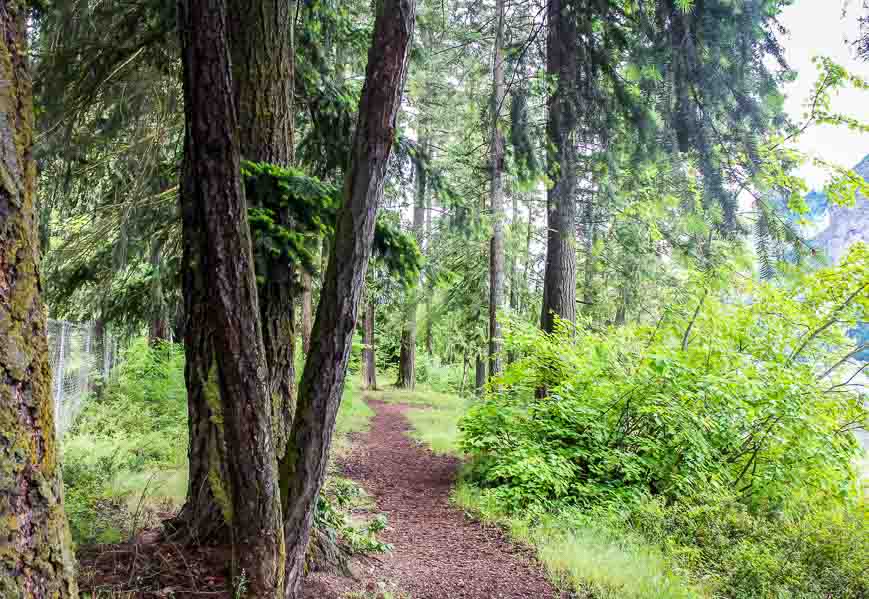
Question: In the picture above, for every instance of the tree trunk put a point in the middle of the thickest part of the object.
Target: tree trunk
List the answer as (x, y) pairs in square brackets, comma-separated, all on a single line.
[(217, 245), (429, 322), (307, 309), (480, 380), (261, 45), (260, 38), (496, 167), (588, 292), (513, 269), (369, 357), (407, 355), (559, 286), (158, 328), (304, 464), (36, 559)]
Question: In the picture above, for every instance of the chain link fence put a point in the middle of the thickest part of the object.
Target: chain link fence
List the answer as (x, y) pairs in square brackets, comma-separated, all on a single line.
[(81, 355)]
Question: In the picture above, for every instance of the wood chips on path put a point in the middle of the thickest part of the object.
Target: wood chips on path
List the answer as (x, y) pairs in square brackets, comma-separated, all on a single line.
[(438, 552)]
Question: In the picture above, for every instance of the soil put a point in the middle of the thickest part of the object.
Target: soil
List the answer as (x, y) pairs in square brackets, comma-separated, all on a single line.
[(438, 552)]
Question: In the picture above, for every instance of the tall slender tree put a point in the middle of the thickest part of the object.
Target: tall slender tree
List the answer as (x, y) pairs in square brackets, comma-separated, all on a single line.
[(36, 559), (559, 286), (261, 45), (496, 196), (407, 353), (218, 265)]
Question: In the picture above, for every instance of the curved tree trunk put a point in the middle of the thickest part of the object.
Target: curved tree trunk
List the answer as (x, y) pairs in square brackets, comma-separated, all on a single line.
[(36, 559), (322, 384), (559, 286), (217, 244)]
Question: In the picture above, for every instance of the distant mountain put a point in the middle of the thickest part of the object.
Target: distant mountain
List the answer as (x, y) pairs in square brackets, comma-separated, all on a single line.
[(844, 225), (840, 227)]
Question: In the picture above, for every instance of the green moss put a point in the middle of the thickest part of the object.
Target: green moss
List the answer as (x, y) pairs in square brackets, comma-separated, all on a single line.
[(219, 486)]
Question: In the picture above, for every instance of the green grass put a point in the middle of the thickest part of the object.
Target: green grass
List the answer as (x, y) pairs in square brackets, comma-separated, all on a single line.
[(434, 416), (354, 416), (593, 562)]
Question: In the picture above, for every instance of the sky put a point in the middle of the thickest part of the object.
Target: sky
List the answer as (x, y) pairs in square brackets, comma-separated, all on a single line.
[(818, 28)]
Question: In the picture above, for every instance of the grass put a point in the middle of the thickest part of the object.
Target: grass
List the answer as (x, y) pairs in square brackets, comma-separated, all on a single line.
[(434, 416), (354, 416), (594, 562)]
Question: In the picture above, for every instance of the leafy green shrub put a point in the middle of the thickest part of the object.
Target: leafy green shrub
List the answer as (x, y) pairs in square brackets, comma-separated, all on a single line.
[(718, 413), (125, 458), (811, 553)]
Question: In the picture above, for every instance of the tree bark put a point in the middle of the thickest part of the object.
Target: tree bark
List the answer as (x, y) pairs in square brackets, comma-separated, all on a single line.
[(217, 244), (480, 375), (496, 167), (369, 357), (307, 309), (36, 559), (260, 35), (322, 384), (261, 46), (559, 286), (158, 328), (407, 354)]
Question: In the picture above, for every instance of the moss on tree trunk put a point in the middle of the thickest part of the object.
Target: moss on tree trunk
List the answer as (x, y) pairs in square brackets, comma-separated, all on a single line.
[(36, 559)]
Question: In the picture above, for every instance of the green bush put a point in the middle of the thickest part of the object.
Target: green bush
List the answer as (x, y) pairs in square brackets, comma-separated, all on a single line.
[(125, 458), (815, 552), (718, 416)]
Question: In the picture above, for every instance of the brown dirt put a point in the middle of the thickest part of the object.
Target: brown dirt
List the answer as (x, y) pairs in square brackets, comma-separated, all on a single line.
[(438, 552)]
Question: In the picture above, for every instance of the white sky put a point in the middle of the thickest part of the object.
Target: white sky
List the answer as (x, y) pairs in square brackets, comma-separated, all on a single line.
[(818, 28)]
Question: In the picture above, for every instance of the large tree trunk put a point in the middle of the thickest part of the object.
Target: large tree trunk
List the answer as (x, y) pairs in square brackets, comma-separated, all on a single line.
[(36, 559), (260, 38), (496, 168), (369, 356), (217, 243), (407, 355), (559, 286), (261, 45), (322, 384)]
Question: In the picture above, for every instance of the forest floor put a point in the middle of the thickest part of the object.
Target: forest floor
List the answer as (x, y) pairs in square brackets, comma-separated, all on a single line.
[(438, 552)]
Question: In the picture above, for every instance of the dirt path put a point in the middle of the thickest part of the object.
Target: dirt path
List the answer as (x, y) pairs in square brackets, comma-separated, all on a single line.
[(438, 552)]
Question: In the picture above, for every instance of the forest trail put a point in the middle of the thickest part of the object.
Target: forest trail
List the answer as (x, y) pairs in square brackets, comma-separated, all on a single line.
[(438, 553)]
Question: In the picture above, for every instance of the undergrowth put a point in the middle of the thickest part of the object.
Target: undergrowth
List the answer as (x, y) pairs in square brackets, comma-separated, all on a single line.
[(708, 456), (125, 460), (434, 415)]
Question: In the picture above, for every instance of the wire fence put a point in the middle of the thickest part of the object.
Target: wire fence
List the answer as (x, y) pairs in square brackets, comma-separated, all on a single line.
[(81, 355)]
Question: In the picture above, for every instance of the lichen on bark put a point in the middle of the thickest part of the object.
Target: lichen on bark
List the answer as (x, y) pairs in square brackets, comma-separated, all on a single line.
[(36, 559)]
